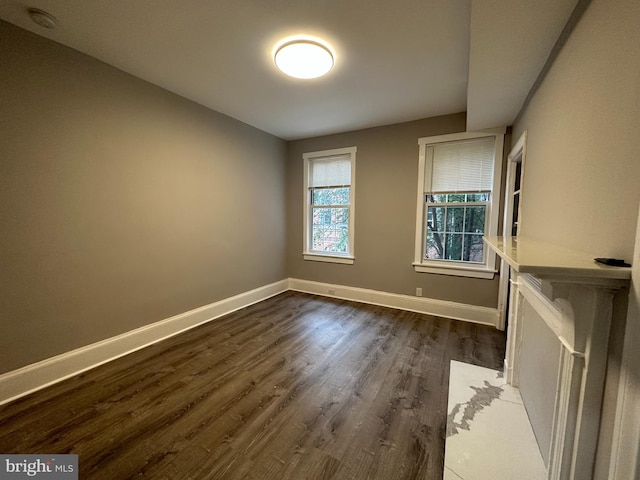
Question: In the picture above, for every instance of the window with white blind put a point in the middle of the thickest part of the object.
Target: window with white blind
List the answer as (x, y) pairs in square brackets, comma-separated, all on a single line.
[(458, 202), (329, 192)]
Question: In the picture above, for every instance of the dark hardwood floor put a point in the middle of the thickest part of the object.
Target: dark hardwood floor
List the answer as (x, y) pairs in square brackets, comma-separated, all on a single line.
[(296, 387)]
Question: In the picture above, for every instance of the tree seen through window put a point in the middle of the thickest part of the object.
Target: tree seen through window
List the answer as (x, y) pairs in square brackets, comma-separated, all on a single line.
[(455, 226), (330, 219)]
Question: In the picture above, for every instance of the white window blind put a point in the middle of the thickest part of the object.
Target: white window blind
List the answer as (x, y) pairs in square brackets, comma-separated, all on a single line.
[(461, 166), (332, 171)]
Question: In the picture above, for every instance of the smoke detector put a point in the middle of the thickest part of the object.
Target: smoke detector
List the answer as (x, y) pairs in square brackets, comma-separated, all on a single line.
[(42, 18)]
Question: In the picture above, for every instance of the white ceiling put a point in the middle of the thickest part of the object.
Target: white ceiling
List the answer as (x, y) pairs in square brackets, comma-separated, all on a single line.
[(395, 60)]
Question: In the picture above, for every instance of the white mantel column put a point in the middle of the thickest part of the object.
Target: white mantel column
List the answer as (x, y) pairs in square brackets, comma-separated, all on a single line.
[(584, 335)]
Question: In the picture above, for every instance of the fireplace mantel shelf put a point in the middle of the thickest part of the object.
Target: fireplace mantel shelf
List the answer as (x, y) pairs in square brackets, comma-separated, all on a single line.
[(543, 259)]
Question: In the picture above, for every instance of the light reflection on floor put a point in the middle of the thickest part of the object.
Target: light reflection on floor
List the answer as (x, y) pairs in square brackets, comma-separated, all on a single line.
[(489, 436)]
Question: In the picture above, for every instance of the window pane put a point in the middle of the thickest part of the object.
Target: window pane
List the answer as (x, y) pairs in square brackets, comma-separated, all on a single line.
[(457, 198), (435, 247), (474, 219), (455, 219), (330, 229), (436, 198), (473, 248), (453, 246), (435, 218), (514, 217), (477, 197), (330, 196), (518, 176), (330, 216)]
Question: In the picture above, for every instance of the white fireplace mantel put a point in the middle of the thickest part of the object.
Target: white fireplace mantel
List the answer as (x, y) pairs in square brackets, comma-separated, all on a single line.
[(574, 296), (537, 258)]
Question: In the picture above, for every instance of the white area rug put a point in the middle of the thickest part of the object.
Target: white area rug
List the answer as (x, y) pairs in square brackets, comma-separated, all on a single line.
[(489, 436)]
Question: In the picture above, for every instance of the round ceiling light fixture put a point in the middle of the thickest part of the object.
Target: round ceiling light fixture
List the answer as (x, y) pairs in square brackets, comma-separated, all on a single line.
[(42, 18), (304, 58)]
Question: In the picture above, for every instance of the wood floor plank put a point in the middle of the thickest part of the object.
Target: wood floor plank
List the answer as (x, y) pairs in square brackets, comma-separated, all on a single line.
[(295, 387)]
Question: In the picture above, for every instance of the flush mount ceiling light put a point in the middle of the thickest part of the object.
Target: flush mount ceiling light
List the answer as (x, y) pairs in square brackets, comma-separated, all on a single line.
[(42, 18), (304, 59)]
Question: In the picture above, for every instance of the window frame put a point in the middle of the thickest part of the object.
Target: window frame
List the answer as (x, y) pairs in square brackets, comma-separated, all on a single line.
[(487, 269), (307, 251)]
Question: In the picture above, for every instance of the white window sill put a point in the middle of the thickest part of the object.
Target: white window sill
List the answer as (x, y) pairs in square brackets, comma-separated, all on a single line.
[(456, 270), (316, 257)]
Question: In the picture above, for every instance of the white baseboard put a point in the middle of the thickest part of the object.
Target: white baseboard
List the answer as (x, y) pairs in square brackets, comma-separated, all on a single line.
[(30, 378), (429, 306), (36, 376)]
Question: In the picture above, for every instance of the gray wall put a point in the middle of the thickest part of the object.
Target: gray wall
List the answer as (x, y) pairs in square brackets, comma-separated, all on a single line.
[(385, 218), (582, 179), (121, 204)]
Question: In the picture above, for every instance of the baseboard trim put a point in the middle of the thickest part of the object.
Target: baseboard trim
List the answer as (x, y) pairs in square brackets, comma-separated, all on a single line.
[(429, 306), (28, 379), (36, 376)]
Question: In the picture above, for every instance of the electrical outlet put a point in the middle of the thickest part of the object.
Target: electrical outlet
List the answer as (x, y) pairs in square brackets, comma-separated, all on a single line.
[(418, 292)]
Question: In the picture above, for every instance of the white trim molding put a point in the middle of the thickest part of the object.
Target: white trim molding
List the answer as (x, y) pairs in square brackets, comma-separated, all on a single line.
[(625, 449), (625, 454), (346, 259), (429, 306), (308, 253), (487, 268), (517, 155), (514, 332), (456, 269), (36, 376), (28, 379)]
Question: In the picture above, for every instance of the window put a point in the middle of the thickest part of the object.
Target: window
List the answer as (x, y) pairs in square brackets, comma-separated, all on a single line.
[(458, 195), (329, 192)]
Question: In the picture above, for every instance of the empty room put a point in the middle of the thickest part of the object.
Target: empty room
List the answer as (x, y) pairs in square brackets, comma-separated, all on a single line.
[(320, 240)]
